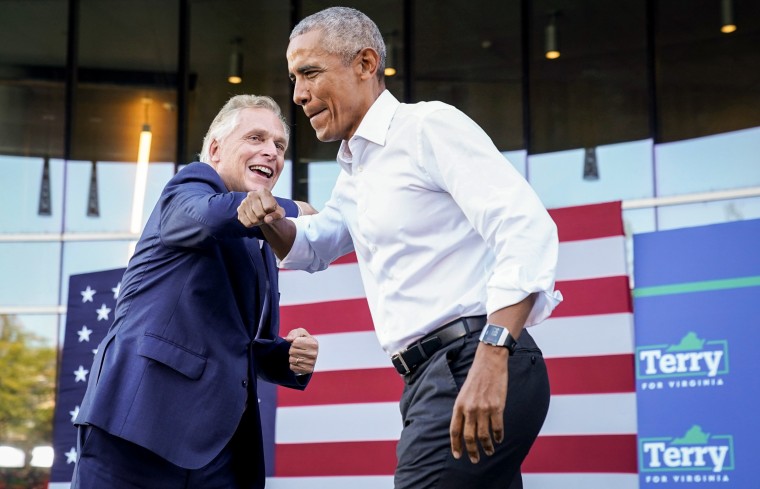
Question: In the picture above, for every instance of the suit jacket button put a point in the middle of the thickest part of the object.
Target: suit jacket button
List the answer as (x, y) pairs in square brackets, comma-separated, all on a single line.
[(245, 383)]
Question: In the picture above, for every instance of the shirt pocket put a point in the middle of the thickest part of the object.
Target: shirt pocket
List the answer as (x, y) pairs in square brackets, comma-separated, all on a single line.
[(184, 361)]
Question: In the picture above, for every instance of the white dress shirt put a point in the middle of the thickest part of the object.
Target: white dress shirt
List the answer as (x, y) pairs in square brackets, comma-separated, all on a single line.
[(442, 225)]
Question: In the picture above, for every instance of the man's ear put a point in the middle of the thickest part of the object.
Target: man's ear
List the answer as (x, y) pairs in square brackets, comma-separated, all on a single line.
[(368, 62), (213, 152)]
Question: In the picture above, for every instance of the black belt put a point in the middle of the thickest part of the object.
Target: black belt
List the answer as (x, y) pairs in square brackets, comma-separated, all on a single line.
[(418, 352)]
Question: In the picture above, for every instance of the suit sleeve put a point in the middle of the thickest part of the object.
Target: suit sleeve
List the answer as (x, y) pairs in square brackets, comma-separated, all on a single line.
[(195, 212), (271, 360)]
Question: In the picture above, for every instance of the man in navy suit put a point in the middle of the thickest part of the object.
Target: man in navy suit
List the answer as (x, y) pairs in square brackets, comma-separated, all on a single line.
[(171, 400)]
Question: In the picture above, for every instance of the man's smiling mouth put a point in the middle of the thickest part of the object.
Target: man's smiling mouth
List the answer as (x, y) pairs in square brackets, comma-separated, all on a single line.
[(263, 170), (311, 116)]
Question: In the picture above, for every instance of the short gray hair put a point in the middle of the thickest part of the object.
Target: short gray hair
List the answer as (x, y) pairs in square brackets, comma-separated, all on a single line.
[(227, 119), (345, 32)]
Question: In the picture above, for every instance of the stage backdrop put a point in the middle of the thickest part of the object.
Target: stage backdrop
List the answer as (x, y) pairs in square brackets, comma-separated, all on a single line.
[(341, 432), (90, 309), (697, 302)]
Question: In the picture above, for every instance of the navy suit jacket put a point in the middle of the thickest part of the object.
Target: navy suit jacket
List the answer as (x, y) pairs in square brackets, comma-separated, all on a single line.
[(189, 339)]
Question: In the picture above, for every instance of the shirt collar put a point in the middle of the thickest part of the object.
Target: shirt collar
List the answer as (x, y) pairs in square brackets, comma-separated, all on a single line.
[(373, 127)]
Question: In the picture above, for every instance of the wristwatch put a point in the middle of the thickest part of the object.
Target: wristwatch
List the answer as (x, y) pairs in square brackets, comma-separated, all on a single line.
[(498, 336)]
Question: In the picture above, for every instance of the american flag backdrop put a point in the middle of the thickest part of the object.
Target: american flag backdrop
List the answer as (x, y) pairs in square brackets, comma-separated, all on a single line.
[(89, 314), (341, 432)]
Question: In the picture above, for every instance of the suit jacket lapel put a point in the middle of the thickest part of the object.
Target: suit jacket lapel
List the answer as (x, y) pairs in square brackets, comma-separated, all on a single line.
[(254, 251), (270, 317)]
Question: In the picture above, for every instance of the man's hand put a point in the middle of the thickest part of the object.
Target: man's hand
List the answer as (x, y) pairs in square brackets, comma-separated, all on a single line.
[(479, 407), (259, 207), (303, 351)]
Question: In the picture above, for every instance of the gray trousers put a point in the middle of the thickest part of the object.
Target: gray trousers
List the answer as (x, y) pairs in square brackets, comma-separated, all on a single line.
[(424, 449)]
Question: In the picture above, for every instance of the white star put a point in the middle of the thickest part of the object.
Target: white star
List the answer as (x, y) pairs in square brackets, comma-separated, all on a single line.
[(74, 413), (87, 294), (103, 312), (80, 374), (116, 290), (84, 334), (71, 456), (94, 352)]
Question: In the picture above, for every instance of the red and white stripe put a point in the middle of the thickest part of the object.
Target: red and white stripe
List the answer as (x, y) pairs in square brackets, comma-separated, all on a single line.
[(342, 431)]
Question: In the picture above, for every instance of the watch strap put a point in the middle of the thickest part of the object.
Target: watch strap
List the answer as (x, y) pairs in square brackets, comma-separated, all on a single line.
[(498, 336)]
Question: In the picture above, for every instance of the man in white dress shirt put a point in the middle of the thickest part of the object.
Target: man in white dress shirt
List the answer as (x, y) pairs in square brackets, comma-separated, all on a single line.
[(457, 256)]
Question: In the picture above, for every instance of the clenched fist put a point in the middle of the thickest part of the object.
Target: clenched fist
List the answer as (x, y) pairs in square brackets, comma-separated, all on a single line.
[(259, 207), (303, 351)]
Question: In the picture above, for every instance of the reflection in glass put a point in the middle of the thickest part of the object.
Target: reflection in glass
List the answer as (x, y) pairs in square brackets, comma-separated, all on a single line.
[(29, 273), (322, 178), (519, 160), (597, 92), (28, 384), (93, 206), (44, 327), (625, 171), (717, 162), (469, 55), (706, 80), (46, 207), (590, 165), (91, 256), (701, 214), (20, 202)]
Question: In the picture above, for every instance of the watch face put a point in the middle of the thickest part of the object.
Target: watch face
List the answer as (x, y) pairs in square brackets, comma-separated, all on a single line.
[(492, 335)]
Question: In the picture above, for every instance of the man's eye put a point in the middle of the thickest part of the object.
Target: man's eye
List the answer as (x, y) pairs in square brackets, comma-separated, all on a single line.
[(281, 146)]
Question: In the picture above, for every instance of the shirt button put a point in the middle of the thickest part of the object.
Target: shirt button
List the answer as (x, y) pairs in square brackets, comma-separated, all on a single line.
[(361, 169), (245, 383)]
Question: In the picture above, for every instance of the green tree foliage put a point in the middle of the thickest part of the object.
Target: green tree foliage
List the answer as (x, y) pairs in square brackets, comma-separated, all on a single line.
[(27, 386)]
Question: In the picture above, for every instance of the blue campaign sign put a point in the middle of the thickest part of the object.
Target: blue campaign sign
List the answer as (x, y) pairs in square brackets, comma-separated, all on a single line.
[(697, 320)]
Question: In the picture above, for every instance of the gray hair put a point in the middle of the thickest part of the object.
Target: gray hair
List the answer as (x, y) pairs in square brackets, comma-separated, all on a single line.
[(345, 32), (227, 119)]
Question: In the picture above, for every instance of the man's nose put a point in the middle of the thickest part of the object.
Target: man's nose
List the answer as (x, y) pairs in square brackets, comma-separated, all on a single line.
[(270, 148), (300, 94)]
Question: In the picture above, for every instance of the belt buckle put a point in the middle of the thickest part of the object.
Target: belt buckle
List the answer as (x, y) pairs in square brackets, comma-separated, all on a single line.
[(400, 357)]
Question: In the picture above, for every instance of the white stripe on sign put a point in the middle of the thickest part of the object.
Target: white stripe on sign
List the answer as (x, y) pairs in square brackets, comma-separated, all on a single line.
[(587, 414), (561, 337), (530, 481), (578, 336), (363, 482), (557, 337), (299, 287), (591, 414), (575, 481), (350, 351), (338, 422), (592, 258)]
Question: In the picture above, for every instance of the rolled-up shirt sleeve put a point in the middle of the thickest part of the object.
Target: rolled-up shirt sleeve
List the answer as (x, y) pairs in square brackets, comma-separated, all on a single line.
[(320, 239), (500, 205)]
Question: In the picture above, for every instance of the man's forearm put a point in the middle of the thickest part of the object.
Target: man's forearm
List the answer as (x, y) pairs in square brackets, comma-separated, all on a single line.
[(280, 235), (513, 317)]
